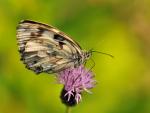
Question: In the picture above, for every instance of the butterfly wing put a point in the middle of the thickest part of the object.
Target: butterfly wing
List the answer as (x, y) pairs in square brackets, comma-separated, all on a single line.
[(44, 48)]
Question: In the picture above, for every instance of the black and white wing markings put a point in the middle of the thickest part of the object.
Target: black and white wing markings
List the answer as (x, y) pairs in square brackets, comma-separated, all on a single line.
[(44, 48)]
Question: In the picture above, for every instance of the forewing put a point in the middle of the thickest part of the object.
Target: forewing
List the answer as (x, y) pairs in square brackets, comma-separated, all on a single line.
[(44, 48)]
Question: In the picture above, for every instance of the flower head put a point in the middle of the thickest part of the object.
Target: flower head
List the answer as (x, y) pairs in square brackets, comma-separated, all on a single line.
[(75, 81)]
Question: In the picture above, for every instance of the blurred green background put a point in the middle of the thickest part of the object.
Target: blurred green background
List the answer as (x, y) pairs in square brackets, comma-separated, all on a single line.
[(118, 27)]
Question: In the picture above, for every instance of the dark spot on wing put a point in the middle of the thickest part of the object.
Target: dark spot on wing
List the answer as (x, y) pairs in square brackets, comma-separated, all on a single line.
[(33, 22), (58, 37), (28, 21), (21, 59), (38, 33), (35, 34), (61, 44), (38, 69), (21, 50), (41, 30), (35, 61), (27, 67)]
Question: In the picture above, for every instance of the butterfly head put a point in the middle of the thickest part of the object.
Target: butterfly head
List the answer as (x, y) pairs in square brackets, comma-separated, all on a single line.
[(87, 54)]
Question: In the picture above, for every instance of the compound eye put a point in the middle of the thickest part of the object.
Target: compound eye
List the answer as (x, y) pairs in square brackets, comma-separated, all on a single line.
[(87, 55)]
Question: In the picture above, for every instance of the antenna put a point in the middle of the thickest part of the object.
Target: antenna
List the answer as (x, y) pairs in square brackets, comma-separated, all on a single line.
[(103, 53)]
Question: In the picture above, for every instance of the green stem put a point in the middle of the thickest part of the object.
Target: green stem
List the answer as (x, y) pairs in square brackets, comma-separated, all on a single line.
[(68, 109)]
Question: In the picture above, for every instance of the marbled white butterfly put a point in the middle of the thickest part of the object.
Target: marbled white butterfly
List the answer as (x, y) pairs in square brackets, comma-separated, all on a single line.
[(44, 48)]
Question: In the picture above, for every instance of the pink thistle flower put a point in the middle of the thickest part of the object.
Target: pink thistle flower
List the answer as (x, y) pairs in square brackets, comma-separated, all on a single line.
[(75, 81)]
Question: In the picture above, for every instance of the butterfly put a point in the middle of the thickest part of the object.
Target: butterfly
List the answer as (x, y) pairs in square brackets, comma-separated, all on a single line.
[(44, 48)]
